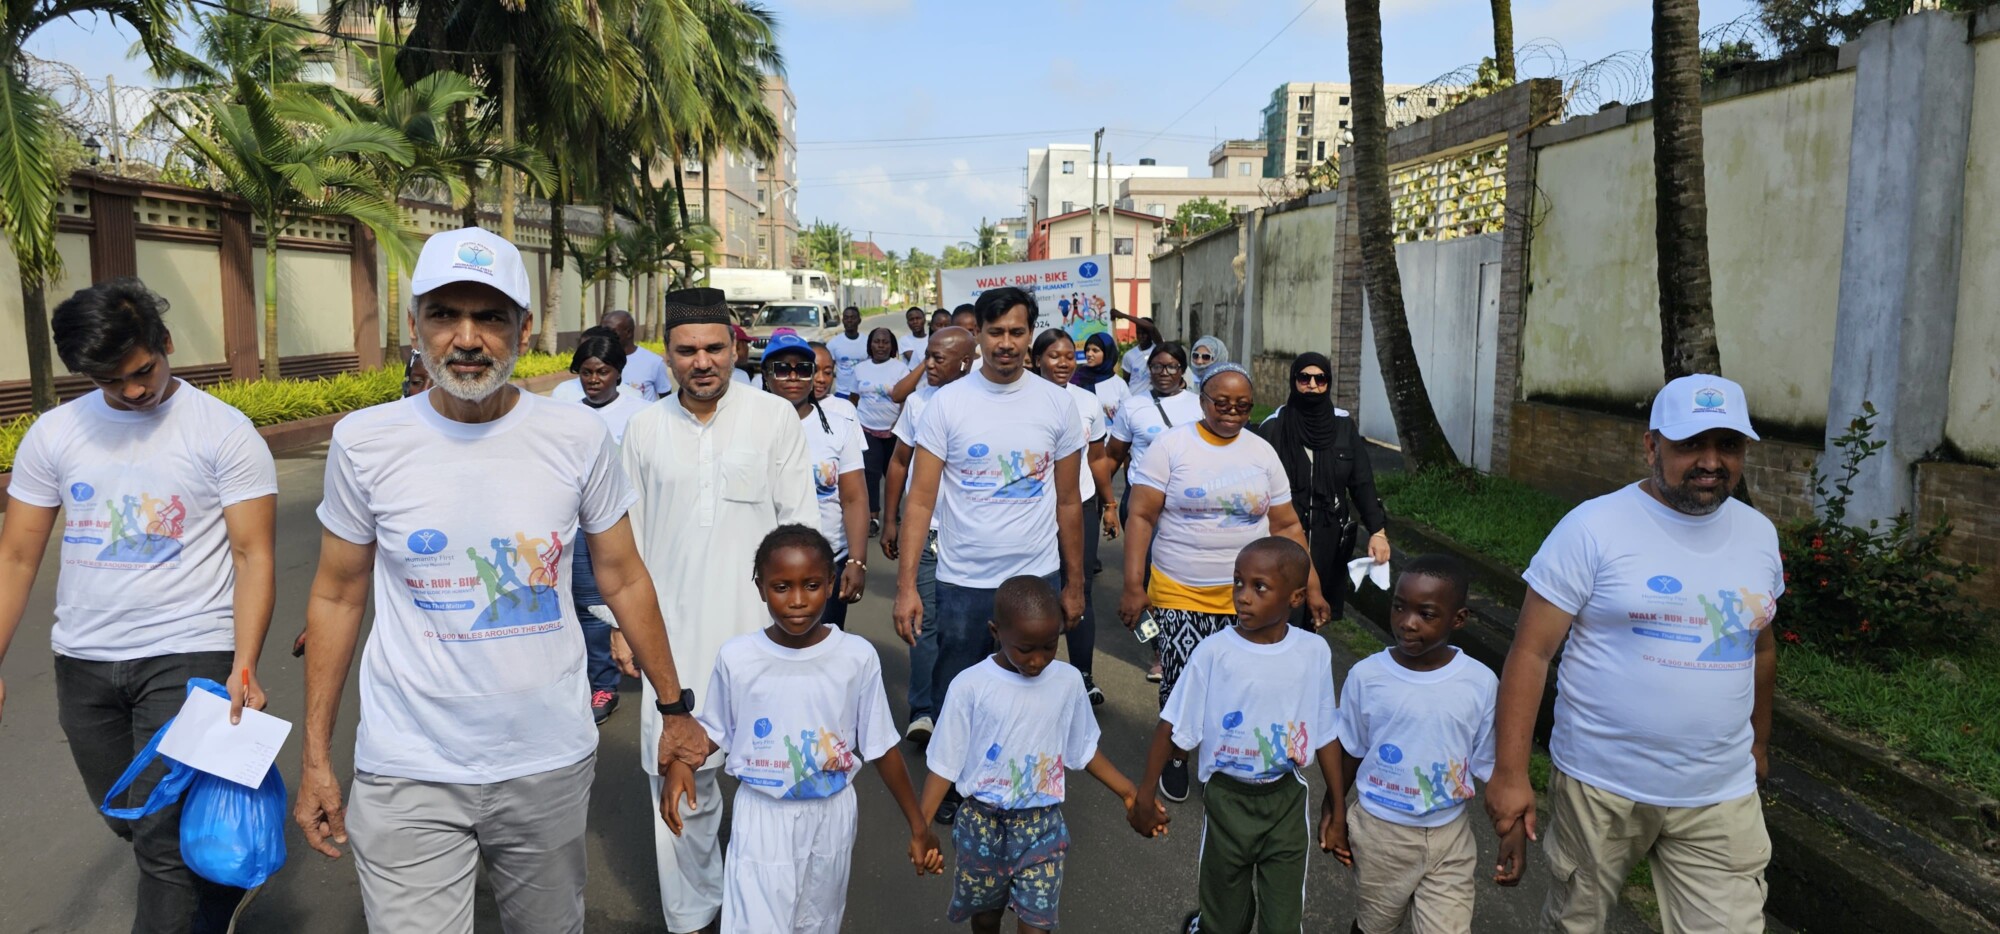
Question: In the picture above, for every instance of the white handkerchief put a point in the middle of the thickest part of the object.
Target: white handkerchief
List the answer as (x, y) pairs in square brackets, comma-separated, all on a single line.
[(1366, 567)]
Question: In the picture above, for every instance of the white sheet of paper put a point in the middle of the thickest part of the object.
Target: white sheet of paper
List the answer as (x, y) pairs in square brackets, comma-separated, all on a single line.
[(202, 737)]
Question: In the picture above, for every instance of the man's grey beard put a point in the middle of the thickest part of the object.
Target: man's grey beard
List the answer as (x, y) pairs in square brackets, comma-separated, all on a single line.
[(1686, 499), (468, 389)]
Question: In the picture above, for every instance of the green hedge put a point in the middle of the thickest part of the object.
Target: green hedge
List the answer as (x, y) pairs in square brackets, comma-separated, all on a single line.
[(288, 400), (1501, 518)]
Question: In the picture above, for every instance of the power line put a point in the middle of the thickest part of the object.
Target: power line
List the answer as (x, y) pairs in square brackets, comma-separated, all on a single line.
[(925, 139), (1246, 63), (358, 40), (915, 177)]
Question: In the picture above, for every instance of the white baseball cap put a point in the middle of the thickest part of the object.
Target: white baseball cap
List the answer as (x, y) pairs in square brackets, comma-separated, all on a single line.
[(471, 254), (1693, 404)]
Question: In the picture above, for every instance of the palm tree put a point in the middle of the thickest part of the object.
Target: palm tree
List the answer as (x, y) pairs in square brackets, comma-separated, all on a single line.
[(31, 179), (1424, 443), (441, 150), (1687, 307), (290, 158), (921, 266), (1503, 40), (988, 245), (826, 246)]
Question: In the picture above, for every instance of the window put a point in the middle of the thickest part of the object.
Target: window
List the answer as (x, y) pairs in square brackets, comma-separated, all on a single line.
[(1402, 101), (1157, 209), (1075, 246), (320, 72), (1343, 102), (1069, 167), (1243, 168), (1430, 102), (1304, 155), (1068, 206), (309, 7), (1121, 246), (1305, 129), (1305, 102), (1343, 124), (1319, 150)]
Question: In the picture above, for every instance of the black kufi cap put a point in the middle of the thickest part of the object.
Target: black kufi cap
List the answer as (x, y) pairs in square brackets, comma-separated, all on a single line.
[(695, 306)]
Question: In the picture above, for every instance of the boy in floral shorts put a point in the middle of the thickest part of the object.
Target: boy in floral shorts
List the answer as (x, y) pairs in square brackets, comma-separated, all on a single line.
[(1010, 728)]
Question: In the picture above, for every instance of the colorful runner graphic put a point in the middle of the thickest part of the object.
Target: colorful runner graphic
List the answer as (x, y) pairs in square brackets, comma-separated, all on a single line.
[(145, 531), (510, 601)]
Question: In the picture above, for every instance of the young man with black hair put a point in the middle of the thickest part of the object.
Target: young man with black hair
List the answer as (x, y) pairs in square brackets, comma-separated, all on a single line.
[(911, 346), (849, 349), (168, 500)]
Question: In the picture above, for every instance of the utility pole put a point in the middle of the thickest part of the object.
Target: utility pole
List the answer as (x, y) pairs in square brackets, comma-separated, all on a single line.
[(507, 136), (979, 239), (117, 130), (1097, 143)]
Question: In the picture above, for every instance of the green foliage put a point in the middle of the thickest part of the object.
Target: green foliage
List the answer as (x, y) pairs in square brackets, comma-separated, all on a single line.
[(1720, 60), (1203, 214), (1855, 590), (1808, 25), (11, 433), (1500, 518), (1942, 711)]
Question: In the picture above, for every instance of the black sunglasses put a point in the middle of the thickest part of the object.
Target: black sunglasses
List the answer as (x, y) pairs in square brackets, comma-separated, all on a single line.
[(1229, 408), (791, 369), (1314, 379)]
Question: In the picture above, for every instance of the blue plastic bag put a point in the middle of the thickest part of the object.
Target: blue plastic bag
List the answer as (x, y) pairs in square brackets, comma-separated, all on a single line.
[(230, 835)]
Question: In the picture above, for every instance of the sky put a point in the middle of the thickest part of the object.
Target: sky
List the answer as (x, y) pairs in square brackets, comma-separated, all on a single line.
[(915, 116)]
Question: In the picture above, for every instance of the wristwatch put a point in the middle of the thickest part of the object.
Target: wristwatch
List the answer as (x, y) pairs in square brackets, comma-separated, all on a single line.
[(680, 708)]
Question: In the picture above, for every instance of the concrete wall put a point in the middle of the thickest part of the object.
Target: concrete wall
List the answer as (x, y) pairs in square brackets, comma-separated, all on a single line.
[(315, 305), (1451, 296), (1197, 292), (75, 251), (1973, 419), (188, 276), (1298, 270), (1777, 179)]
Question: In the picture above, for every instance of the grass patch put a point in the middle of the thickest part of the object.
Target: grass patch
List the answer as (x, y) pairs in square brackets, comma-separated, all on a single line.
[(1943, 712), (1539, 769), (1354, 637), (1259, 413), (1501, 518), (272, 402)]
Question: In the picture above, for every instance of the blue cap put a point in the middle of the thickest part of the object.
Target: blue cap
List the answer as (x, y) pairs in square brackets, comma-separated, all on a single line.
[(784, 342)]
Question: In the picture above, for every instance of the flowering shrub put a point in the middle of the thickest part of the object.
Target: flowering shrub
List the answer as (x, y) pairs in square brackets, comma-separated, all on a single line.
[(1860, 589)]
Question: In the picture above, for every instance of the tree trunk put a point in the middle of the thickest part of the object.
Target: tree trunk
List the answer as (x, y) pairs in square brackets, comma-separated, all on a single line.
[(1423, 441), (607, 228), (394, 334), (680, 192), (654, 305), (552, 289), (41, 369), (1687, 307), (707, 205), (469, 213), (1503, 40), (632, 294), (270, 300)]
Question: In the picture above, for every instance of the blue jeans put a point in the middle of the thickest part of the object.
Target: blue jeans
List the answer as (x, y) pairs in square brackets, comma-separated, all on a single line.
[(597, 661), (963, 637), (924, 702)]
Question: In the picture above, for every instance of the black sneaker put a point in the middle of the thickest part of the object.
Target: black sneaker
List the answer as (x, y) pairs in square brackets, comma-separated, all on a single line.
[(1090, 690), (874, 528), (948, 809), (1191, 923), (602, 703), (1174, 781), (919, 732)]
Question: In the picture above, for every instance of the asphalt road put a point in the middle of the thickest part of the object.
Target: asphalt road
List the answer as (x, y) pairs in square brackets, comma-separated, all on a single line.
[(61, 870)]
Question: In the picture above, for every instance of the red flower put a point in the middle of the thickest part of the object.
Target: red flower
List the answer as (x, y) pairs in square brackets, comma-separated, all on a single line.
[(1864, 625), (1822, 582), (1818, 542), (1791, 637)]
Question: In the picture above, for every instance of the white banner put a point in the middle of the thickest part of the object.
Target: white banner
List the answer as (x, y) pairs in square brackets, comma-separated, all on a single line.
[(1073, 294)]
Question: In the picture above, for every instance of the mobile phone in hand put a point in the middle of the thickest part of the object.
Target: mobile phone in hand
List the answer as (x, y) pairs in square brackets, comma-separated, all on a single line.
[(1147, 628)]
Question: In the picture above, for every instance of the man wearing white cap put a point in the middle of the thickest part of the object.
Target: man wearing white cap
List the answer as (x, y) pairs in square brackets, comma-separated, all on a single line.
[(717, 467), (1660, 596), (464, 504)]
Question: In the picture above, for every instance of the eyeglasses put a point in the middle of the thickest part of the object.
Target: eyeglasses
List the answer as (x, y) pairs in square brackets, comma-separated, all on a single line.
[(1165, 368), (1242, 407), (1312, 379), (791, 369)]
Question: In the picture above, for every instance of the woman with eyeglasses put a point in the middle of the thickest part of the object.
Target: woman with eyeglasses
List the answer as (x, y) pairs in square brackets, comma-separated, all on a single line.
[(873, 378), (1208, 353), (1202, 492), (1053, 356), (1164, 405), (833, 445), (1331, 478)]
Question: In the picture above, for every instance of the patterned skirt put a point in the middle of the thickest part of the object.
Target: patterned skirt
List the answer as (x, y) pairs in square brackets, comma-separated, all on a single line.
[(1180, 632)]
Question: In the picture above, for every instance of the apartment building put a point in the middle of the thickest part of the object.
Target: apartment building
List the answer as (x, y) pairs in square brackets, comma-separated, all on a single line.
[(1060, 178), (1305, 121), (1236, 178)]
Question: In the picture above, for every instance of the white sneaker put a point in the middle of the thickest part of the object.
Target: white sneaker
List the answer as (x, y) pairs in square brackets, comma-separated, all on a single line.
[(920, 730)]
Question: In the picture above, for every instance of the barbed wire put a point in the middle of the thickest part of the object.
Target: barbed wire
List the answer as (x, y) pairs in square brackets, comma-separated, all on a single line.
[(136, 143)]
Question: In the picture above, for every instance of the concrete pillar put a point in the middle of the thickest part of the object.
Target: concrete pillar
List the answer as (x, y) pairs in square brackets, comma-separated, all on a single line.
[(1899, 263)]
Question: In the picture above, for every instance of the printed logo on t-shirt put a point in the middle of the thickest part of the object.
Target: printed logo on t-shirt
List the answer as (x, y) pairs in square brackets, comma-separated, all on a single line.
[(826, 478), (510, 588), (137, 533), (1032, 781), (1441, 785), (1235, 497), (997, 477), (813, 764), (1257, 754), (1717, 633)]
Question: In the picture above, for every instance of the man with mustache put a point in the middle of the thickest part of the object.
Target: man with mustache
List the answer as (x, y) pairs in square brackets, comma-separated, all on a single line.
[(717, 467), (1660, 596), (474, 744)]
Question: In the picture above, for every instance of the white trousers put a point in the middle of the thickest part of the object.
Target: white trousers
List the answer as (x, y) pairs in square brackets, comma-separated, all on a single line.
[(691, 864), (788, 864)]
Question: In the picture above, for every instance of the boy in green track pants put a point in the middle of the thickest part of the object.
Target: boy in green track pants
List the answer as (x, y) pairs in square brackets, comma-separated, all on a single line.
[(1255, 703)]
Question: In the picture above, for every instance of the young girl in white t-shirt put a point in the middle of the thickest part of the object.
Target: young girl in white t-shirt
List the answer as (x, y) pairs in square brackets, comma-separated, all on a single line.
[(797, 708)]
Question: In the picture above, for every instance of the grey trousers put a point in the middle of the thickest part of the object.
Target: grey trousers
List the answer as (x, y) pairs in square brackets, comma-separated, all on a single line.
[(418, 846)]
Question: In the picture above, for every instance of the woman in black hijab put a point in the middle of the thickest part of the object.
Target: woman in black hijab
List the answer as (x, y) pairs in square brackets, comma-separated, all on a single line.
[(1330, 474)]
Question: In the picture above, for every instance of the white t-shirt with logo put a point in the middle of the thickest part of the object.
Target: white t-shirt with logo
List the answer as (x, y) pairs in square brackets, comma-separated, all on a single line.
[(1422, 736), (1094, 431), (1142, 418), (646, 372), (1007, 739), (996, 499), (872, 382), (1112, 393), (912, 348), (473, 672), (906, 430), (1137, 377), (1658, 674), (1218, 499), (834, 447), (146, 568), (629, 402), (848, 353), (1255, 713), (796, 724)]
